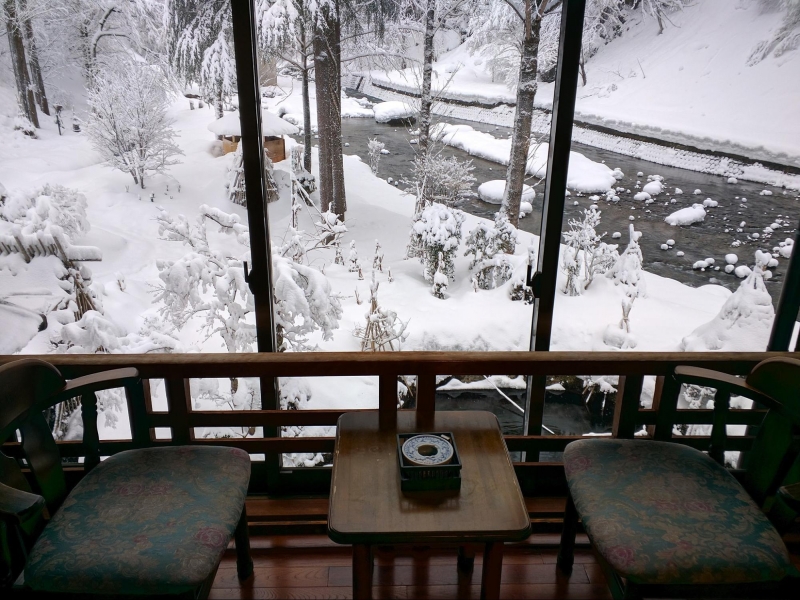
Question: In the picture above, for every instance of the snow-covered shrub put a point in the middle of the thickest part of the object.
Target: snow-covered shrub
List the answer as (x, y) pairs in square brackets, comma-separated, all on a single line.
[(570, 264), (374, 148), (305, 179), (210, 284), (383, 329), (489, 247), (744, 321), (304, 303), (440, 280), (597, 256), (51, 204), (627, 272), (129, 125), (377, 259), (24, 126), (435, 230), (353, 264), (440, 179)]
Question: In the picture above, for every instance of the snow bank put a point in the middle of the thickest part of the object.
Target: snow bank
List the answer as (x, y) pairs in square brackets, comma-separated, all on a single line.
[(492, 192), (687, 216), (386, 112), (585, 175), (271, 124)]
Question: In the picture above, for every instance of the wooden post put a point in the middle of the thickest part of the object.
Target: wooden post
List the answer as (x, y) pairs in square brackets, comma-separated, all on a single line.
[(179, 400), (387, 401), (91, 438), (629, 392)]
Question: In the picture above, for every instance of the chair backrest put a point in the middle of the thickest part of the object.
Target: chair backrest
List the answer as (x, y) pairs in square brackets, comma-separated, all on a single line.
[(773, 457), (26, 389)]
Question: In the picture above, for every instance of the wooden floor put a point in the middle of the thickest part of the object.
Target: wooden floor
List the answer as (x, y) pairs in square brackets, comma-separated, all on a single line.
[(314, 567)]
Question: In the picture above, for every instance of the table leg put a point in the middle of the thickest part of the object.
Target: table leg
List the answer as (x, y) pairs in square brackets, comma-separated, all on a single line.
[(466, 558), (362, 571), (492, 569)]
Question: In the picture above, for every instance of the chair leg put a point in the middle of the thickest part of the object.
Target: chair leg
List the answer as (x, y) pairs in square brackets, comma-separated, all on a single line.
[(566, 552), (466, 558), (244, 562)]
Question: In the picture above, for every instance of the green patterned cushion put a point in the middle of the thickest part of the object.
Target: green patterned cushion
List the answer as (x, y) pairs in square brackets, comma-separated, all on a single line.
[(660, 512), (143, 522)]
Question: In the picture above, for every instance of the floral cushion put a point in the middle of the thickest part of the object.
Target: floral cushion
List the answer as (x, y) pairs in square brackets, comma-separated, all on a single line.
[(661, 512), (143, 522)]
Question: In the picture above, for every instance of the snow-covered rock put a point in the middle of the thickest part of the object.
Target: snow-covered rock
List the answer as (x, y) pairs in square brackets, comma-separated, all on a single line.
[(492, 192), (733, 180), (709, 203), (731, 259), (687, 216), (654, 188), (393, 111), (742, 271), (642, 196)]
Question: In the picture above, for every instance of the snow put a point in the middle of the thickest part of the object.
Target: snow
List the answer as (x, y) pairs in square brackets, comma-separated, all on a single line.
[(271, 124), (641, 196), (492, 192), (709, 203), (687, 216), (654, 188), (584, 175), (386, 112), (731, 259)]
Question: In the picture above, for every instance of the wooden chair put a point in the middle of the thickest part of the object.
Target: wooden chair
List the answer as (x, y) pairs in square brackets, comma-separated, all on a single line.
[(151, 521), (667, 520)]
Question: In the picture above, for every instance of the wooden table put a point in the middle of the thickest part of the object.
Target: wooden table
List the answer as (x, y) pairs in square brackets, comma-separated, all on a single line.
[(367, 507)]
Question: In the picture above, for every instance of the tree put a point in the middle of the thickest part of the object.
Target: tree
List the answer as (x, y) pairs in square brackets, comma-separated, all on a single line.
[(33, 53), (285, 29), (14, 31), (129, 124), (199, 39)]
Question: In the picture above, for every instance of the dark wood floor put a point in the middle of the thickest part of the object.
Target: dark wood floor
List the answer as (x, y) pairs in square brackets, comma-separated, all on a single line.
[(314, 567), (311, 566)]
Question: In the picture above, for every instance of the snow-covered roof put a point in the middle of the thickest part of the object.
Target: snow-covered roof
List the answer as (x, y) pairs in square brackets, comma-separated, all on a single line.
[(271, 124)]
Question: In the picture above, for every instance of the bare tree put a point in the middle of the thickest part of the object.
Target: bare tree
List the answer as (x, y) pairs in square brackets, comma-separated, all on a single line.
[(14, 29)]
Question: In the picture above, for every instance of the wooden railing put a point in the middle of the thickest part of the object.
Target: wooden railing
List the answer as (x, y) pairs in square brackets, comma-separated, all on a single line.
[(177, 369)]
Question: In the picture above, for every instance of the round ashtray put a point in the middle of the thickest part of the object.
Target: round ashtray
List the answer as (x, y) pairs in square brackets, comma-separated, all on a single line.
[(427, 450)]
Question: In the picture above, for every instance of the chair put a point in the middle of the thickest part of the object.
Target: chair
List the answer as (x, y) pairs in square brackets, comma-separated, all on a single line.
[(151, 521), (667, 520)]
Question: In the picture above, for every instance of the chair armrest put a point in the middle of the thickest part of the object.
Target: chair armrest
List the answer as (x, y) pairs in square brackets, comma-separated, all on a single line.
[(105, 380), (734, 385), (790, 494), (18, 506)]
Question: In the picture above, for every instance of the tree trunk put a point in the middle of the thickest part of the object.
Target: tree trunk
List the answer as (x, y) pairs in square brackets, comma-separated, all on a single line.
[(427, 73), (322, 78), (36, 69), (18, 62), (307, 136), (521, 136), (337, 160)]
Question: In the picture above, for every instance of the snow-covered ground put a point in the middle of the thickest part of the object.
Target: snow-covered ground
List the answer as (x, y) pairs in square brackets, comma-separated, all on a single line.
[(691, 85)]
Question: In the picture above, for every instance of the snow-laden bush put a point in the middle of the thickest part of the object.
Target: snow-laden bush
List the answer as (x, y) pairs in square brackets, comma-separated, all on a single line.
[(437, 229), (210, 284), (129, 125), (53, 203), (744, 321), (440, 179), (627, 272), (440, 280), (374, 148), (489, 247), (596, 256), (304, 303)]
